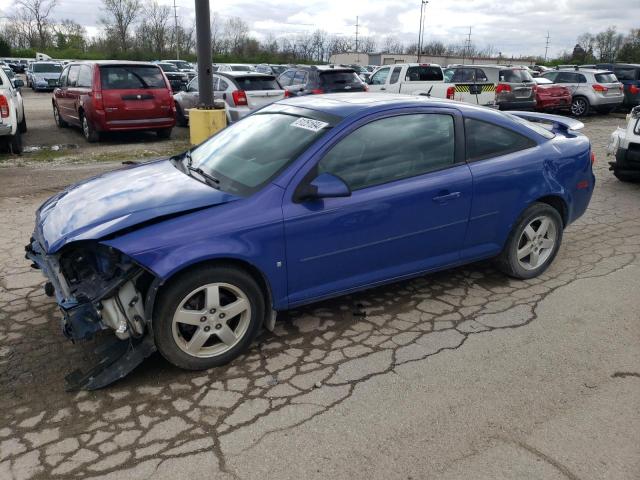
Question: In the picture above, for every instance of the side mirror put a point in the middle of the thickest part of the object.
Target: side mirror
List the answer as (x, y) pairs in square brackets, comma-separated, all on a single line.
[(324, 185), (18, 83)]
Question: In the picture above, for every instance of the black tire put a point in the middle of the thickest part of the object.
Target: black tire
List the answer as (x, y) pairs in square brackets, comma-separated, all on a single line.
[(164, 133), (626, 177), (508, 261), (181, 120), (173, 296), (57, 118), (22, 126), (90, 133), (580, 107), (15, 143), (605, 110)]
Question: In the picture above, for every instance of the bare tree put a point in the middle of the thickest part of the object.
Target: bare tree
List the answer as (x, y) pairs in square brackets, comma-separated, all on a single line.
[(236, 32), (118, 18), (608, 43), (38, 13), (154, 28), (392, 45), (70, 34)]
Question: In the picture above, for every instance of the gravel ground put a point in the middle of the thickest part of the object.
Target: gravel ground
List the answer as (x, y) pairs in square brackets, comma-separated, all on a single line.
[(461, 374)]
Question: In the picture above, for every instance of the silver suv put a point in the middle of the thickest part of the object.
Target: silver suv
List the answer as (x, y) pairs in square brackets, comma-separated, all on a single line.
[(590, 89)]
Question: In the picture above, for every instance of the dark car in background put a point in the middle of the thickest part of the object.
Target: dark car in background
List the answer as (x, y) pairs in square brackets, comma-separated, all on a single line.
[(177, 78), (629, 75), (309, 80), (107, 96)]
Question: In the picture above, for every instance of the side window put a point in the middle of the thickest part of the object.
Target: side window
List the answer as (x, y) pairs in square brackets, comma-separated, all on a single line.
[(193, 85), (580, 78), (286, 78), (392, 148), (486, 140), (72, 79), (481, 76), (395, 75), (553, 76), (463, 75), (63, 77), (84, 77), (300, 78), (380, 77)]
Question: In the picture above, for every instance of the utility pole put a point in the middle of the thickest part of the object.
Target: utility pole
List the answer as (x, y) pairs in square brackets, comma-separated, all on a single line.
[(423, 4), (546, 48), (467, 45), (203, 48), (175, 29), (357, 25)]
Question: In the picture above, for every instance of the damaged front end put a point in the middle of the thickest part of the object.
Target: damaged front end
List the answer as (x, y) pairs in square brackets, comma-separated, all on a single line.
[(97, 288)]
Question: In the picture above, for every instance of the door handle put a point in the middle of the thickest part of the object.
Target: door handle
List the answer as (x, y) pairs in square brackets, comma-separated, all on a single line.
[(446, 197), (383, 88)]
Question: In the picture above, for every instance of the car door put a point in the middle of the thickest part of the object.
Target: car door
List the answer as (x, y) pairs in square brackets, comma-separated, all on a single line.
[(378, 81), (82, 88), (393, 84), (70, 94), (407, 212)]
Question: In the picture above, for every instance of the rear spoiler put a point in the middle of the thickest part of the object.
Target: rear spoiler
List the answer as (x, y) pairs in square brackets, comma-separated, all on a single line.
[(559, 122)]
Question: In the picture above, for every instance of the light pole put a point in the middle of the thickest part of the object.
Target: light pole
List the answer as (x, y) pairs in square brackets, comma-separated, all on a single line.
[(421, 29), (203, 45)]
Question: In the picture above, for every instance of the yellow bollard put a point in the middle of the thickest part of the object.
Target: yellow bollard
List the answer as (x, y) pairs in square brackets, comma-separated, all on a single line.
[(204, 123)]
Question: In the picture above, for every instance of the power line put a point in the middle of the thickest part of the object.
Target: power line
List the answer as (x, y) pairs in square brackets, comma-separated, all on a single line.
[(357, 25), (546, 48), (467, 45), (423, 4)]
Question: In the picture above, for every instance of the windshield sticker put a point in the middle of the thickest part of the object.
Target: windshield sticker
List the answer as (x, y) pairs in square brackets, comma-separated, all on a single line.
[(309, 124)]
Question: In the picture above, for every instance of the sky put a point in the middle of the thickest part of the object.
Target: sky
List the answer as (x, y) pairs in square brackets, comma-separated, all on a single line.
[(511, 27)]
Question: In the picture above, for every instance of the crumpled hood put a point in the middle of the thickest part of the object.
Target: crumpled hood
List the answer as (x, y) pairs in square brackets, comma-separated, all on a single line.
[(124, 198)]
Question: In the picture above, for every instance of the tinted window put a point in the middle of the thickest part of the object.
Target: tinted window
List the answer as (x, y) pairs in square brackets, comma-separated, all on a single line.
[(300, 78), (131, 77), (84, 77), (551, 76), (241, 68), (63, 77), (395, 74), (486, 140), (380, 77), (339, 79), (47, 67), (392, 148), (515, 76), (424, 73), (247, 154), (605, 78), (448, 75), (625, 73), (481, 76), (257, 83), (72, 80), (570, 77), (463, 75), (286, 78)]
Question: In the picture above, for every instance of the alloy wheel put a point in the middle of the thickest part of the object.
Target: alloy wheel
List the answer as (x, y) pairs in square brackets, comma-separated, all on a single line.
[(211, 320), (578, 107), (536, 243)]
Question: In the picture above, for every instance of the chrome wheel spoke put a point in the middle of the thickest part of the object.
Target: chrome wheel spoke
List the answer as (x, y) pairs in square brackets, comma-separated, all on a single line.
[(235, 308), (534, 258), (212, 297), (530, 232), (525, 251), (227, 335), (544, 227), (546, 243), (199, 338), (188, 317)]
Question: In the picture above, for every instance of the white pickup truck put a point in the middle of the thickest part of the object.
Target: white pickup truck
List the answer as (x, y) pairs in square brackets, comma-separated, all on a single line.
[(429, 79), (12, 120)]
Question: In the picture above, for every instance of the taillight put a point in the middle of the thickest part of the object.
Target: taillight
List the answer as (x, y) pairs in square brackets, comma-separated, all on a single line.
[(287, 94), (633, 90), (317, 91), (451, 92), (593, 157), (503, 88), (366, 87), (4, 106), (98, 102), (239, 97), (599, 88)]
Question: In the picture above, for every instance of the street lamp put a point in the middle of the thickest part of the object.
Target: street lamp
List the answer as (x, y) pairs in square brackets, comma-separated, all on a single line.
[(421, 29)]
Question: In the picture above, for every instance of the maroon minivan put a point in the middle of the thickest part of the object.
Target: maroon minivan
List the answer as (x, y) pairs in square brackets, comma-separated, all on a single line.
[(111, 96)]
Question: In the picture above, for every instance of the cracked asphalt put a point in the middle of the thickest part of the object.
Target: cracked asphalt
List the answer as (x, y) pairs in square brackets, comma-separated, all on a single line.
[(460, 374)]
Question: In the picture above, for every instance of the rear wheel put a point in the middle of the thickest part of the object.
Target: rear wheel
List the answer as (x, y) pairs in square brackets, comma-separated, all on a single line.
[(15, 143), (208, 317), (22, 126), (579, 107), (164, 133), (181, 119), (90, 134), (533, 243)]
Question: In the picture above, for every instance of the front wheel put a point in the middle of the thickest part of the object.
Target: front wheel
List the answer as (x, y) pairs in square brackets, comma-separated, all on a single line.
[(579, 107), (533, 243), (208, 317)]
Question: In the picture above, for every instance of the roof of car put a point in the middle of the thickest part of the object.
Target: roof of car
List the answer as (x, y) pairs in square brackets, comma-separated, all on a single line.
[(346, 104), (242, 73), (114, 62), (583, 70)]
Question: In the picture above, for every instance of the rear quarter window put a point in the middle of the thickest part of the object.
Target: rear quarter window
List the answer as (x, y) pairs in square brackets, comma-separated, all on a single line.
[(123, 77), (257, 83), (486, 140)]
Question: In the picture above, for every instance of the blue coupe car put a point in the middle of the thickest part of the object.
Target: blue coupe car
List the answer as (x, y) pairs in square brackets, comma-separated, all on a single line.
[(306, 199)]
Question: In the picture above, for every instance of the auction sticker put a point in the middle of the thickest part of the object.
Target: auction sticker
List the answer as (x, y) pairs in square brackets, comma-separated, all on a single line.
[(309, 124)]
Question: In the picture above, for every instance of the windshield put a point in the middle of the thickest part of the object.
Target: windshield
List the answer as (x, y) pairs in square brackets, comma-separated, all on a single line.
[(131, 77), (241, 68), (257, 83), (168, 67), (183, 65), (47, 68), (249, 153), (515, 76)]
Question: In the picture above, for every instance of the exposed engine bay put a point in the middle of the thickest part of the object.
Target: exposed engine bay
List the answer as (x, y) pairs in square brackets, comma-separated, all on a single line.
[(98, 288)]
